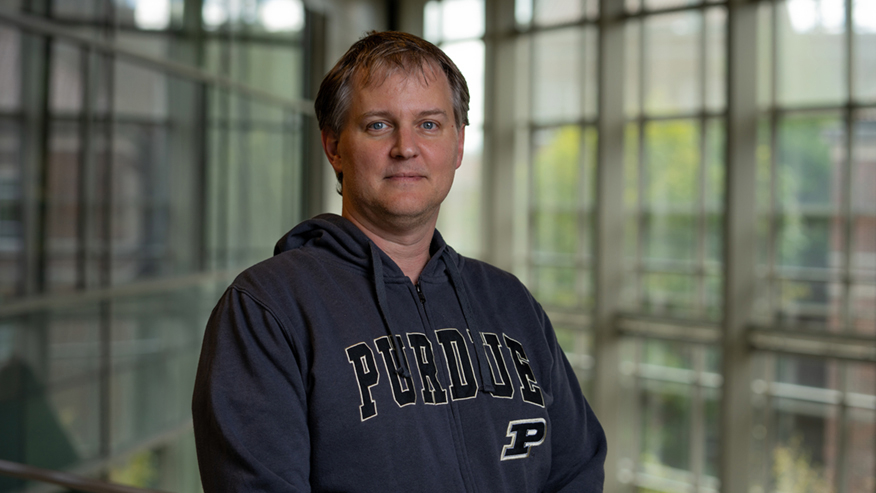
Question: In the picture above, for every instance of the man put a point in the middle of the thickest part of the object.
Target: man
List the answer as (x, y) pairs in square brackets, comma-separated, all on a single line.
[(367, 355)]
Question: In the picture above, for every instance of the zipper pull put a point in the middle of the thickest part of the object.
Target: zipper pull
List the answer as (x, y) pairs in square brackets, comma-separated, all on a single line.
[(420, 294)]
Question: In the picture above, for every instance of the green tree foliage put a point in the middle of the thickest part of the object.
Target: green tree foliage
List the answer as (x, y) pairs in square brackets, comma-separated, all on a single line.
[(795, 472)]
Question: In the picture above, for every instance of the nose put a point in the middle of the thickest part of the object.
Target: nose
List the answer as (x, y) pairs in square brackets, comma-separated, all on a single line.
[(405, 145)]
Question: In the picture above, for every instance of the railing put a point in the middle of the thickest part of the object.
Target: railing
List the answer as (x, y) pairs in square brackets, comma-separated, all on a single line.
[(65, 479)]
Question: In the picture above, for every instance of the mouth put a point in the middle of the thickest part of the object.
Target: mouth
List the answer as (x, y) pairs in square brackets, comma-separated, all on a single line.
[(405, 176)]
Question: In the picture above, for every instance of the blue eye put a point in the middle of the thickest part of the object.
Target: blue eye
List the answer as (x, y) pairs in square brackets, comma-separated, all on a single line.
[(429, 125), (377, 126)]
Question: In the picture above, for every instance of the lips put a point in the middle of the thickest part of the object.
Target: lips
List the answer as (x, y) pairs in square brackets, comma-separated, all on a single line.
[(405, 175)]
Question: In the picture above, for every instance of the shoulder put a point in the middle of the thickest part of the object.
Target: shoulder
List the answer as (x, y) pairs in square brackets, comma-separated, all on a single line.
[(483, 275)]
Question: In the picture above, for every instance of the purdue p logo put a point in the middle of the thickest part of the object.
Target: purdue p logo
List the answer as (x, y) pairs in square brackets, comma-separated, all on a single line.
[(524, 434)]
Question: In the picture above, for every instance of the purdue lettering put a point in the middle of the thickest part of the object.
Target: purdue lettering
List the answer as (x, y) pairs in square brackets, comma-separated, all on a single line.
[(501, 378), (462, 380), (362, 359), (433, 392), (528, 386), (525, 434), (402, 387)]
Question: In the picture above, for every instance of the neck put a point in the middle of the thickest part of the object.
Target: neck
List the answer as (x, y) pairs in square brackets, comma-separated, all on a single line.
[(408, 247)]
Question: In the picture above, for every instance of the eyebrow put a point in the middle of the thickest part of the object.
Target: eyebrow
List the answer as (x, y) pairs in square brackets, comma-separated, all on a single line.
[(386, 114)]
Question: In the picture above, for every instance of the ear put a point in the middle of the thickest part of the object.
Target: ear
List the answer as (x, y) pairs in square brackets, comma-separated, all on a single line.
[(461, 144), (330, 144)]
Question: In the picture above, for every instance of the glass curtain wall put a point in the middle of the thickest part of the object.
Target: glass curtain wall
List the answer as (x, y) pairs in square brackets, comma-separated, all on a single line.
[(673, 202), (559, 42), (130, 193), (813, 415), (816, 203)]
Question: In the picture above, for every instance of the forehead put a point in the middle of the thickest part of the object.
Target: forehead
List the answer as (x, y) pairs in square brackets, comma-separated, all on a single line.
[(426, 75)]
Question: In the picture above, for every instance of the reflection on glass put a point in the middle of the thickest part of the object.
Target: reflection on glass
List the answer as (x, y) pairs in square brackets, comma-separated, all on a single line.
[(672, 62)]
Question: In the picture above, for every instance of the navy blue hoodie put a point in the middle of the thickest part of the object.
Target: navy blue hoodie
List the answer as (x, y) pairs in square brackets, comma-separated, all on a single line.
[(325, 369)]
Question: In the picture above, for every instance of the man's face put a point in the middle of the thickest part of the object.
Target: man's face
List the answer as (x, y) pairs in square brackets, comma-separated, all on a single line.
[(398, 150)]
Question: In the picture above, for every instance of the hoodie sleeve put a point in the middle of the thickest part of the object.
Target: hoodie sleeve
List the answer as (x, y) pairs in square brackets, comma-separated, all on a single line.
[(250, 402), (578, 441)]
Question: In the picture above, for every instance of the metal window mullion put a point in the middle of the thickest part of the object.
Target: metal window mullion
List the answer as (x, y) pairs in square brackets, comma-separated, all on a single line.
[(698, 424), (640, 163), (584, 194), (700, 301), (740, 247), (607, 264), (773, 209), (840, 475), (85, 173), (203, 259), (848, 170)]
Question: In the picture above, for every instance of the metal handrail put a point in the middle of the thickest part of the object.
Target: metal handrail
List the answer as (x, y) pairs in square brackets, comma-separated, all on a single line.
[(13, 306), (41, 26), (66, 479)]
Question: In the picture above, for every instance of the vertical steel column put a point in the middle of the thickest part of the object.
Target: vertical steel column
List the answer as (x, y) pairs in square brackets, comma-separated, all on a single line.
[(739, 244), (85, 175), (498, 204), (106, 261), (36, 68), (202, 124), (313, 198), (609, 233)]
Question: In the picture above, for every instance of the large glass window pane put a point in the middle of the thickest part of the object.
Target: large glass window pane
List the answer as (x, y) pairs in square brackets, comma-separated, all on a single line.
[(864, 67), (809, 157), (633, 75), (716, 61), (549, 12), (556, 286), (670, 396), (671, 189), (10, 69), (811, 61), (65, 91), (449, 20), (557, 75), (672, 62), (556, 185), (63, 207), (11, 227)]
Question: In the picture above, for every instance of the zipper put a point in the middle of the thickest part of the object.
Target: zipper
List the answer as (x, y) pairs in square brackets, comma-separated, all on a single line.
[(420, 294)]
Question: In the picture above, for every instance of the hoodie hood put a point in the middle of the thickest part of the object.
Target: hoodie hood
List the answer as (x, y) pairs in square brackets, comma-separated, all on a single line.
[(344, 240)]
